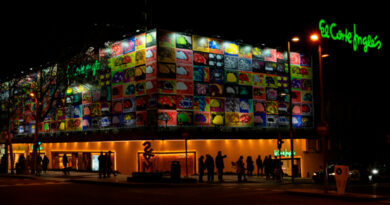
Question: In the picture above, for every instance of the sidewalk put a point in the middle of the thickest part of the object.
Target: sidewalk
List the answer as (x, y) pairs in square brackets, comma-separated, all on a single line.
[(301, 186), (93, 176)]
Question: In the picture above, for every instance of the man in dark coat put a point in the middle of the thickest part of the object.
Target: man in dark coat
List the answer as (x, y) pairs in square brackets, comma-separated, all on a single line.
[(65, 163), (220, 165), (210, 168), (201, 168), (259, 164), (249, 165), (45, 163), (240, 165), (102, 165)]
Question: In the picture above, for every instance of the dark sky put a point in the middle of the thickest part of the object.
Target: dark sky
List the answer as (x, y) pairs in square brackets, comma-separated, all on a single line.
[(38, 34)]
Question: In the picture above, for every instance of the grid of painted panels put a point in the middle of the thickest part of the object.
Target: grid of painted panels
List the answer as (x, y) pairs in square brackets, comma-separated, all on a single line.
[(171, 79), (221, 83), (123, 93), (131, 71)]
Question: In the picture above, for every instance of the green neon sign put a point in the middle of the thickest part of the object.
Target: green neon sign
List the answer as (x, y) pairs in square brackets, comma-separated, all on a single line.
[(330, 31), (85, 69), (284, 153)]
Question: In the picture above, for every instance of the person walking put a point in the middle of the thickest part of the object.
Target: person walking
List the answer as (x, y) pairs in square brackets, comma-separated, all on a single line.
[(259, 165), (240, 168), (102, 165), (45, 163), (65, 163), (210, 168), (249, 165), (201, 168), (220, 165)]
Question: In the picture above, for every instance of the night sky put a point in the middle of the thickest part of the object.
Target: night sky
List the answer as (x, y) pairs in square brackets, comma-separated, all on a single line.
[(356, 82)]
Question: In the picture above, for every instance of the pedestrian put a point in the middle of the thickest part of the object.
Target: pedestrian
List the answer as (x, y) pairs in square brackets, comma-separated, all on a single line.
[(210, 168), (28, 164), (3, 166), (259, 165), (39, 166), (22, 164), (45, 163), (271, 166), (102, 165), (266, 167), (201, 168), (240, 166), (220, 165), (277, 169), (109, 165), (249, 165), (65, 163)]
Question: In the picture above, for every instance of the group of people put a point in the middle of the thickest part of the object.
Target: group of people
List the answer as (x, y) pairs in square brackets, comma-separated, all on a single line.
[(23, 165), (271, 168), (208, 165), (105, 165)]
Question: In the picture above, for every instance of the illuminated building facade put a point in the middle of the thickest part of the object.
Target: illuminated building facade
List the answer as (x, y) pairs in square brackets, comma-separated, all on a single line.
[(164, 86)]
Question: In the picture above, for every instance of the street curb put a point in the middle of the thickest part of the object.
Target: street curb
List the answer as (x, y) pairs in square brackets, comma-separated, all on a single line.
[(139, 184), (346, 196)]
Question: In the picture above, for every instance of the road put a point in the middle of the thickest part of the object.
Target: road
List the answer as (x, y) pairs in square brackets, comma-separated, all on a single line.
[(36, 191)]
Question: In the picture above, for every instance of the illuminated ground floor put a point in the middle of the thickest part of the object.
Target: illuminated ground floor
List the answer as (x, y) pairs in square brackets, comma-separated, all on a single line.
[(128, 157)]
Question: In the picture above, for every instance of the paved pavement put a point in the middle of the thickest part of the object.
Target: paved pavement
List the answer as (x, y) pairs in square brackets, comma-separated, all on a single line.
[(302, 186)]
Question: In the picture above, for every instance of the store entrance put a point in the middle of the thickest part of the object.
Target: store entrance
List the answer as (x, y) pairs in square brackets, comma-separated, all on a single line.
[(287, 168), (57, 162)]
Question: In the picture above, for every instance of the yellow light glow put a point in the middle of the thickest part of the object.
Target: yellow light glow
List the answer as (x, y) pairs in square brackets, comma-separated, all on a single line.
[(295, 39), (314, 37), (325, 55)]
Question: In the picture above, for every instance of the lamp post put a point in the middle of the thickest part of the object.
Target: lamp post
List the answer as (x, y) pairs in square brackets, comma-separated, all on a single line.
[(322, 128), (185, 135), (36, 132), (294, 39)]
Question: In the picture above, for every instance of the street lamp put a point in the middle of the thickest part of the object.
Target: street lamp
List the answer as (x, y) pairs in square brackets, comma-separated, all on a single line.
[(294, 39), (322, 128), (314, 37)]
